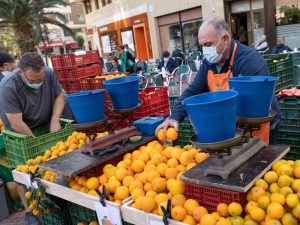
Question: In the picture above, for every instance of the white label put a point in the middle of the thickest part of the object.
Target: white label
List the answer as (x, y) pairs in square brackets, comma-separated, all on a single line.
[(28, 183), (153, 222), (108, 215)]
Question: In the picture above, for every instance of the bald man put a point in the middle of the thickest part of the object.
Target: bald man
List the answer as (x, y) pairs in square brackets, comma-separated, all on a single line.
[(224, 58)]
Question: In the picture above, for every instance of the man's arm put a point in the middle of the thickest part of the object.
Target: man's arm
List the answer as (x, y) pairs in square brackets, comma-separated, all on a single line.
[(58, 108), (18, 124)]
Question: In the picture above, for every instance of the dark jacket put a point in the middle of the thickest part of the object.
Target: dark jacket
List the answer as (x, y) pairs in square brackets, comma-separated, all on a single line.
[(130, 62), (171, 64), (243, 62), (1, 76), (280, 49)]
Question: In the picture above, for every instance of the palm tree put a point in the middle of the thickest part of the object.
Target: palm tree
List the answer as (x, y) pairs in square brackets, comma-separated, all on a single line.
[(28, 17)]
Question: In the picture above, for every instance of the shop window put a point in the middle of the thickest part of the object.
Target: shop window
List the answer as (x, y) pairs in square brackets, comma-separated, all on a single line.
[(87, 6), (258, 20), (80, 17), (190, 34), (287, 14), (174, 36)]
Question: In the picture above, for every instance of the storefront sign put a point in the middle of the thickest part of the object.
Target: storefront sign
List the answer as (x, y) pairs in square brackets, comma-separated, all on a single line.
[(106, 44), (137, 21)]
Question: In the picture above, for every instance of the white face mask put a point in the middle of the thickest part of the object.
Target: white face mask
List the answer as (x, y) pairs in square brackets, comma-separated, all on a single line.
[(211, 54)]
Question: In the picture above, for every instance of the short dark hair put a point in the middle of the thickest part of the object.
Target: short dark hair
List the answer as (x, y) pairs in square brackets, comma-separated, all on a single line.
[(165, 54), (121, 47), (31, 60), (126, 45), (5, 58)]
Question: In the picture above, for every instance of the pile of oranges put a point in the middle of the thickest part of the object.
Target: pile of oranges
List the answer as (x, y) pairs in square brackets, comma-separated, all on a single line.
[(91, 223), (111, 76), (73, 142), (150, 175)]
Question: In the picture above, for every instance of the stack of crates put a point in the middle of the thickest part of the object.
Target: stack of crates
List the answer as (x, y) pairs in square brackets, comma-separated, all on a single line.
[(289, 129), (296, 68), (79, 214), (281, 66), (71, 70), (186, 130)]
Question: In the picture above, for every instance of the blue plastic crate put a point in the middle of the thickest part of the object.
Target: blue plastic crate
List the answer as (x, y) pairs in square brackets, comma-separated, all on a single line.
[(147, 125)]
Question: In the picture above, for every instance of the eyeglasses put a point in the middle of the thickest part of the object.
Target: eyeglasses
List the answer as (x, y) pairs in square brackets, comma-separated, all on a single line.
[(33, 81)]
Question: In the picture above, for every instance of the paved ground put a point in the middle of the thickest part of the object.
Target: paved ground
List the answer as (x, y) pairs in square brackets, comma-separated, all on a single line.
[(14, 219)]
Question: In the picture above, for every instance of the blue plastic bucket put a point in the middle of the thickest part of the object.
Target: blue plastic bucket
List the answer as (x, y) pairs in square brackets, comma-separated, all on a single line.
[(123, 91), (255, 95), (87, 106), (213, 115)]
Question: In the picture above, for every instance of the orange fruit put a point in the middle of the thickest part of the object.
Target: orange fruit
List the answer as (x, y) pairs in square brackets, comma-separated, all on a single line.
[(296, 211), (143, 177), (103, 179), (144, 156), (160, 135), (162, 197), (176, 152), (286, 190), (190, 205), (121, 173), (84, 190), (190, 166), (149, 167), (161, 168), (176, 187), (180, 168), (147, 187), (275, 210), (94, 223), (92, 183), (127, 180), (148, 204), (172, 134), (208, 219), (151, 194), (296, 172), (284, 180), (199, 212), (159, 184), (135, 184), (289, 219), (200, 157), (292, 200), (189, 220), (178, 200), (93, 193), (235, 209), (263, 202), (158, 158), (262, 183), (257, 214), (278, 197), (250, 205), (186, 158), (222, 209), (152, 175), (274, 188), (137, 193), (81, 223), (171, 173), (271, 177), (223, 221), (109, 170), (172, 163), (122, 193), (296, 185), (178, 213), (127, 156), (256, 192), (113, 185), (138, 166)]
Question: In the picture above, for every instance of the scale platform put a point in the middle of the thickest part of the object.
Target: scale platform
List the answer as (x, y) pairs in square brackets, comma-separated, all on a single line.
[(83, 159), (243, 177)]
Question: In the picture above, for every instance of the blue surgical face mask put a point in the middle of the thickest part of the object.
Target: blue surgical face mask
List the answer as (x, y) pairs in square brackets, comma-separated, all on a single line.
[(34, 85), (211, 54)]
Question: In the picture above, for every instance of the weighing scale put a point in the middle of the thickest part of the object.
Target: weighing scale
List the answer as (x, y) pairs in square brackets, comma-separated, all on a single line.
[(231, 160)]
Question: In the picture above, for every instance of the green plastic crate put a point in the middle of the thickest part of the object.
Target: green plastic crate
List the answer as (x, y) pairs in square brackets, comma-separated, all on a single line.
[(81, 214), (19, 148), (292, 155), (57, 217), (2, 147), (173, 101), (291, 139)]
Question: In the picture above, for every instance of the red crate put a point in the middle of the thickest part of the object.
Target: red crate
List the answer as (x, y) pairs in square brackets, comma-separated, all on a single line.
[(65, 85), (70, 60), (59, 74), (155, 103), (57, 61), (96, 83), (73, 86), (88, 71), (210, 197), (70, 73), (84, 84)]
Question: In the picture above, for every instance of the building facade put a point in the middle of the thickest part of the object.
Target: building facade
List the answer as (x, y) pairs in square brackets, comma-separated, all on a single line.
[(151, 26)]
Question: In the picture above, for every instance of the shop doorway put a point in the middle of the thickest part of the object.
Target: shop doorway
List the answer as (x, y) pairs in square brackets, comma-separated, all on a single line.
[(140, 40), (240, 29)]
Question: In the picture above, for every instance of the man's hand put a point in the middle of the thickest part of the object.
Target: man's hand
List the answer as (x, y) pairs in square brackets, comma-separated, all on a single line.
[(54, 126), (167, 123)]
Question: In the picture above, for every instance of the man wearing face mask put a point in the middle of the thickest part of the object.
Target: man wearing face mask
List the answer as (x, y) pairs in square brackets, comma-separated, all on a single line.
[(167, 62), (224, 58), (31, 97)]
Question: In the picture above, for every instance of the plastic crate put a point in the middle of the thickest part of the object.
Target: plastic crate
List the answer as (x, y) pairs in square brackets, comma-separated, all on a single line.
[(155, 103), (19, 148), (96, 83), (210, 197), (70, 60), (173, 101), (59, 74), (291, 139), (285, 79), (57, 61), (74, 86), (58, 217), (2, 147), (81, 214), (292, 155), (289, 125)]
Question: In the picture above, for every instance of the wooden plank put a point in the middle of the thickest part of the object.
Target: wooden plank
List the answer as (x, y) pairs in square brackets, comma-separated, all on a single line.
[(244, 177), (62, 192), (75, 162)]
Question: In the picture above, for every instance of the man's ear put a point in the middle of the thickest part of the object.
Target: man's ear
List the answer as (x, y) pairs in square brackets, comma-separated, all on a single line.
[(226, 38)]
